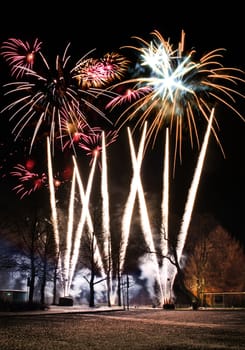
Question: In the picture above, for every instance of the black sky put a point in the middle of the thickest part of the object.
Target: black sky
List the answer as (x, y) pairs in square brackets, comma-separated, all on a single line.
[(88, 25)]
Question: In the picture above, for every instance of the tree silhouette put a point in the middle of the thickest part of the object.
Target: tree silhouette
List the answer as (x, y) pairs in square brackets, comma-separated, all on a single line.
[(217, 264)]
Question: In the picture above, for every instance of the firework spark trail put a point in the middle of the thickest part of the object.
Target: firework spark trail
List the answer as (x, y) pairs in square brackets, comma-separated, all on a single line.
[(89, 222), (193, 191), (68, 264), (128, 210), (105, 201), (52, 198), (191, 198), (129, 207), (82, 194), (69, 234), (82, 220), (165, 214), (145, 223), (106, 214)]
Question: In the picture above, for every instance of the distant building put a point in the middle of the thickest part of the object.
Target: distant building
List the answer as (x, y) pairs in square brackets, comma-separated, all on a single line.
[(9, 295), (224, 299)]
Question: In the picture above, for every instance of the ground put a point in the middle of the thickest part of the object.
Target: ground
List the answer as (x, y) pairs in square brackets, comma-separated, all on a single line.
[(136, 328)]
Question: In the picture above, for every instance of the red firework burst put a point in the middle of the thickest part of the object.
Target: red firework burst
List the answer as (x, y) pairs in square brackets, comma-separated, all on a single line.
[(20, 55), (29, 181), (92, 140)]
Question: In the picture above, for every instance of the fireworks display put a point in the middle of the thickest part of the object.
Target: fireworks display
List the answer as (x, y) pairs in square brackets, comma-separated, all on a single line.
[(80, 108)]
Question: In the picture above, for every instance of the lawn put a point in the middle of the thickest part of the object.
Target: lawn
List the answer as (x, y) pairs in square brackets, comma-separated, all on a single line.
[(151, 329)]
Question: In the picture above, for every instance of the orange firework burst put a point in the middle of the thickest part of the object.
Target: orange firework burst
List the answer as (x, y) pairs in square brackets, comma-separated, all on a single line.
[(97, 72), (176, 89)]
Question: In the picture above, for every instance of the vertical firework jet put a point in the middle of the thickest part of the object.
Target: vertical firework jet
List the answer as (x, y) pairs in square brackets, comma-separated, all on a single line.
[(172, 269), (82, 220), (192, 191), (68, 259), (136, 188), (168, 268), (164, 224), (52, 198), (85, 215), (145, 222), (69, 236), (106, 219), (128, 210)]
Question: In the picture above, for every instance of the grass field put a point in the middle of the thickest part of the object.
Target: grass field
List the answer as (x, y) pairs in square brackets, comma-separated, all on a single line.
[(151, 329)]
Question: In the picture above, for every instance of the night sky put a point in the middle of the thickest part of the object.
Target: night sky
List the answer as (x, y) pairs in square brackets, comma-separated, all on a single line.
[(109, 26)]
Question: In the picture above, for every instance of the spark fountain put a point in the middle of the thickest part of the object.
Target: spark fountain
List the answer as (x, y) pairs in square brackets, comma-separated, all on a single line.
[(67, 263), (136, 187), (164, 269)]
